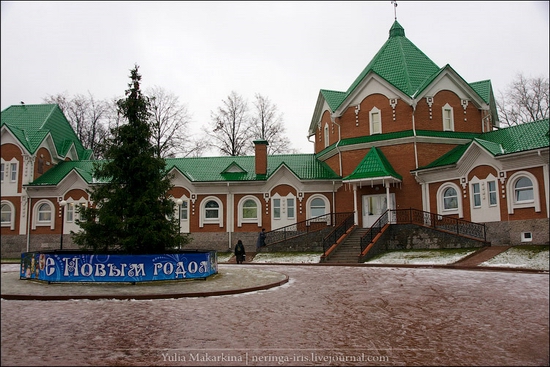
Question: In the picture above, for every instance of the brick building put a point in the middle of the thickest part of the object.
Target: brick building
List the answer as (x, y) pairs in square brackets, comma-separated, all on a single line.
[(405, 134)]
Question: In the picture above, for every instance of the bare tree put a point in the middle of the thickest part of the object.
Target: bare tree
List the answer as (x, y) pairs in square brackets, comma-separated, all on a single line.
[(87, 116), (524, 100), (230, 127), (170, 125), (267, 124)]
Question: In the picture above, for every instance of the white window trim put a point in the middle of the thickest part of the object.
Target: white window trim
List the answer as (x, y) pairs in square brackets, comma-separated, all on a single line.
[(448, 107), (326, 135), (3, 171), (36, 222), (511, 197), (294, 207), (203, 220), (11, 223), (259, 211), (310, 200), (371, 121), (440, 201), (16, 165), (273, 198), (473, 194)]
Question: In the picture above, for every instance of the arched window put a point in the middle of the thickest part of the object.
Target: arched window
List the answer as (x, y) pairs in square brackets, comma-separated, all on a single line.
[(8, 215), (249, 211), (523, 192), (43, 214), (375, 121), (317, 207), (448, 118), (211, 211), (450, 199)]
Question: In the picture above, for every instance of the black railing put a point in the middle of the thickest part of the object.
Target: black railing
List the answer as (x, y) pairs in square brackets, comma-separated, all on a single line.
[(449, 224), (342, 226), (376, 228), (304, 227)]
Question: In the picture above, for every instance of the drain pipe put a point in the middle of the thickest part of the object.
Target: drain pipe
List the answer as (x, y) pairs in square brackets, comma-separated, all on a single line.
[(414, 134), (333, 120)]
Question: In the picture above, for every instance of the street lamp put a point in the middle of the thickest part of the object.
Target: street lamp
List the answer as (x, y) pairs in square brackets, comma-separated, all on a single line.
[(62, 204), (179, 202)]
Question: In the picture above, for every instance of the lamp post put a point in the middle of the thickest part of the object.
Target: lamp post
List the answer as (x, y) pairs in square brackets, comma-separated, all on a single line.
[(62, 204), (179, 202)]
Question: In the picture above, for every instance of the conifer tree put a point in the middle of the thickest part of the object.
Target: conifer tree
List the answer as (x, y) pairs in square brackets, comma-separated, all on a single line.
[(132, 212)]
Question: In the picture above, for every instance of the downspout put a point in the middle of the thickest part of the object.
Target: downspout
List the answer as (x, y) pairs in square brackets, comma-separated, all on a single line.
[(546, 179), (414, 134), (28, 221), (333, 120), (230, 211)]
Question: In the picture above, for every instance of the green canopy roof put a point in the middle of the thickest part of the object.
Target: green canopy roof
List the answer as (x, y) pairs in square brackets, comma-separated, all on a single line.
[(373, 165)]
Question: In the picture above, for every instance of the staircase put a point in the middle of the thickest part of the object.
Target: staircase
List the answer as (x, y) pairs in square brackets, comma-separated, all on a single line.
[(349, 250)]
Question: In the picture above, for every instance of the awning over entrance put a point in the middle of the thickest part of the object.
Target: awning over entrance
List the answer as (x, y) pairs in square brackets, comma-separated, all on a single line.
[(374, 169)]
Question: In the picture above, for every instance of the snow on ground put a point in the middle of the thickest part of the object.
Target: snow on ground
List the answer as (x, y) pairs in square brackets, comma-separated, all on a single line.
[(520, 258), (299, 258), (427, 257)]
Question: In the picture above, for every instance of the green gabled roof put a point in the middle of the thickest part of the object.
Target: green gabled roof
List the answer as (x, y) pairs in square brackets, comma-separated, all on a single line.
[(31, 124), (400, 63), (333, 98), (373, 165), (57, 173), (483, 89), (209, 169), (514, 139), (522, 137), (213, 169)]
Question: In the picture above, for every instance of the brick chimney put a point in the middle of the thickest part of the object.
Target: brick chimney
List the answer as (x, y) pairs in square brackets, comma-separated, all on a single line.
[(260, 153)]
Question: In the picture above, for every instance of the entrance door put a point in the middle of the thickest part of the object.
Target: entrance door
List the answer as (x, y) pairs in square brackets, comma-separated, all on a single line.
[(374, 206), (484, 200)]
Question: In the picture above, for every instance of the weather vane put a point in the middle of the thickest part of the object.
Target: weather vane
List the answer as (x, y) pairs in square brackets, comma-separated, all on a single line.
[(394, 2)]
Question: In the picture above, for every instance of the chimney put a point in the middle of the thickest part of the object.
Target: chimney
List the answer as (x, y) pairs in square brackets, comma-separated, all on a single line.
[(260, 152)]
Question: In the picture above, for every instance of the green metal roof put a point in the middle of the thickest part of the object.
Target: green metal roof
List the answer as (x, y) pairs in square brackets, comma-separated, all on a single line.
[(398, 135), (373, 165), (400, 63), (514, 139), (210, 169), (31, 124)]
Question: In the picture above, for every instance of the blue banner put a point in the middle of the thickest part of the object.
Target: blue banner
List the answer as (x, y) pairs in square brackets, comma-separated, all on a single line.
[(76, 267)]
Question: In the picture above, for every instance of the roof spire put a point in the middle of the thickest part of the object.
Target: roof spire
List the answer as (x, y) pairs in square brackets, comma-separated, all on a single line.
[(394, 2)]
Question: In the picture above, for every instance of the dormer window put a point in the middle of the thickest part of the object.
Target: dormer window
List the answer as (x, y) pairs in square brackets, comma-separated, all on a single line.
[(375, 121), (448, 120), (326, 136)]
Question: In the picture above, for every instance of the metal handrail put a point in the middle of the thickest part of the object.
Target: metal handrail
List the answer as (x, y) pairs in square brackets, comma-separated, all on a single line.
[(303, 228), (337, 232)]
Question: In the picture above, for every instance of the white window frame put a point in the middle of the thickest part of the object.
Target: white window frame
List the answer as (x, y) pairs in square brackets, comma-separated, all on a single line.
[(36, 215), (2, 170), (310, 200), (375, 121), (448, 122), (277, 207), (13, 171), (476, 195), (240, 207), (290, 206), (326, 135), (203, 219), (11, 222), (492, 193), (441, 200), (511, 193)]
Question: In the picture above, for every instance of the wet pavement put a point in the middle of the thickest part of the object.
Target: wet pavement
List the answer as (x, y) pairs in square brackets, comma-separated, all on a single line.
[(323, 315)]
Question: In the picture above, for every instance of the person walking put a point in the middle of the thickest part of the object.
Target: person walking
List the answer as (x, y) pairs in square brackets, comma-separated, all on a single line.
[(239, 252), (260, 242)]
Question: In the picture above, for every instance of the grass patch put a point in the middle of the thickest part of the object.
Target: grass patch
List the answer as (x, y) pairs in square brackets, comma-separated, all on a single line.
[(427, 253)]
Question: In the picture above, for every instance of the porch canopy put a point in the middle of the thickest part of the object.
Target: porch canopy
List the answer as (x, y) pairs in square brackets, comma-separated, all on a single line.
[(374, 169)]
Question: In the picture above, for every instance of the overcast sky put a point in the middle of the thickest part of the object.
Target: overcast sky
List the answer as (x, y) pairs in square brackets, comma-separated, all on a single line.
[(286, 51)]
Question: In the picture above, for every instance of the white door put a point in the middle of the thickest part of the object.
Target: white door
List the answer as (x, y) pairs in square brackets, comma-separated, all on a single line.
[(484, 200), (374, 206), (283, 211), (184, 216)]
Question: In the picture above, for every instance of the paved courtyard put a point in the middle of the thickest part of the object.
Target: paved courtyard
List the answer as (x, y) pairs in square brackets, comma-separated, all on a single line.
[(324, 315)]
